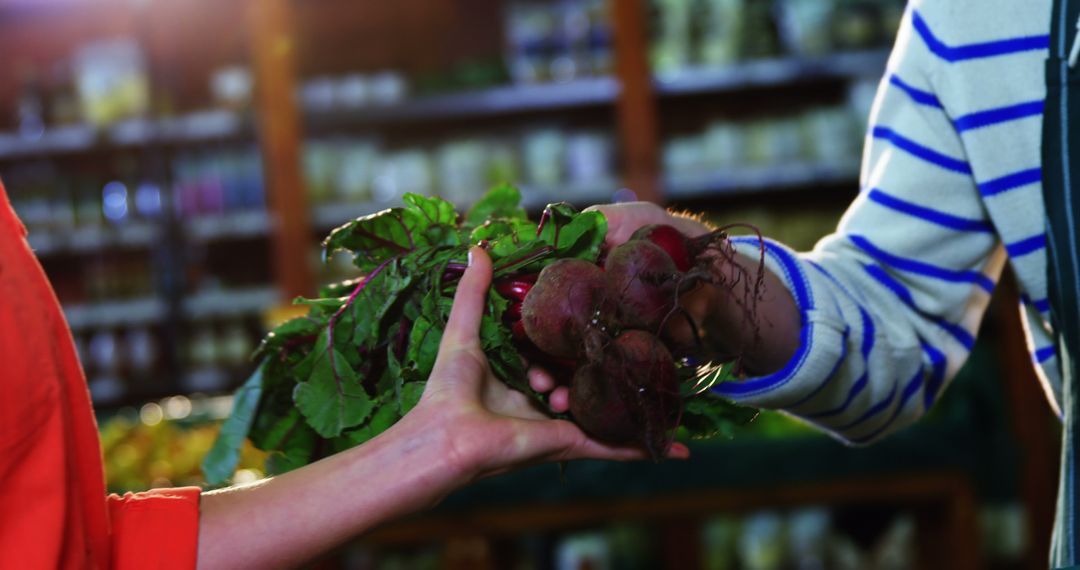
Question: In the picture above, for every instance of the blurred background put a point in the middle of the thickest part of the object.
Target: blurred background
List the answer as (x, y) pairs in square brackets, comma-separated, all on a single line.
[(177, 163)]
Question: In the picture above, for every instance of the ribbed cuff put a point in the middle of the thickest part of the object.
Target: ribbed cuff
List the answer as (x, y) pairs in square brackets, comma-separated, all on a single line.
[(822, 335), (156, 529)]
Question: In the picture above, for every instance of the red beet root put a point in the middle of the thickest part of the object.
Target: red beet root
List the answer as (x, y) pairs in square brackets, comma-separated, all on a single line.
[(562, 305), (642, 281), (631, 395), (597, 405), (515, 288), (671, 240), (513, 312), (517, 330)]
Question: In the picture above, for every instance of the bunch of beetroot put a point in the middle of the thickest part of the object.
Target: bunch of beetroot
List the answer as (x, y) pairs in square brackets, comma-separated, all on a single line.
[(359, 359), (605, 327)]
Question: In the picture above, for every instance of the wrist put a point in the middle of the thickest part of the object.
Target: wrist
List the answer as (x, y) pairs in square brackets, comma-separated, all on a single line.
[(418, 457), (760, 327)]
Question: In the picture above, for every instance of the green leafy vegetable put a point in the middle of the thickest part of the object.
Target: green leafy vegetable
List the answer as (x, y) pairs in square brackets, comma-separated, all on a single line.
[(359, 360), (223, 457)]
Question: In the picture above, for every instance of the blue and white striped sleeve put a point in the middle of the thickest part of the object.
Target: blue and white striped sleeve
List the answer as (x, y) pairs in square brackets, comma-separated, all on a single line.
[(891, 301)]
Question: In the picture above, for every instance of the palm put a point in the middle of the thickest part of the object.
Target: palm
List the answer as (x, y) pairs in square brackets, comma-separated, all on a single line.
[(494, 428)]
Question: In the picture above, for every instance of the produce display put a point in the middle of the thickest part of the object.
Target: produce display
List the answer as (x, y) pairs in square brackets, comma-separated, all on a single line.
[(140, 455), (359, 360)]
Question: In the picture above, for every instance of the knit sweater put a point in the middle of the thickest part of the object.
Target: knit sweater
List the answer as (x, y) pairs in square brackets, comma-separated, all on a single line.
[(950, 190)]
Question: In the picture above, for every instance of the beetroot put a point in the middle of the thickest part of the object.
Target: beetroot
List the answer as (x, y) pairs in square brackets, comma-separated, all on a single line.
[(513, 312), (642, 280), (607, 328), (515, 288), (631, 395), (669, 239), (562, 305), (517, 330)]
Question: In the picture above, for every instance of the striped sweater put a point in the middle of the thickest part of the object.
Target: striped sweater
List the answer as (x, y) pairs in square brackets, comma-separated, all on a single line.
[(950, 190)]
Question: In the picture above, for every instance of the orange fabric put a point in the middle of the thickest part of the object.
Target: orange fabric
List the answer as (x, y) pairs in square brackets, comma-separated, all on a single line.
[(156, 529), (53, 509)]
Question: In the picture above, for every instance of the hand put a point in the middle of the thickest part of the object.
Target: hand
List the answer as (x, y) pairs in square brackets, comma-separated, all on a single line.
[(625, 218), (492, 428), (714, 310), (468, 425)]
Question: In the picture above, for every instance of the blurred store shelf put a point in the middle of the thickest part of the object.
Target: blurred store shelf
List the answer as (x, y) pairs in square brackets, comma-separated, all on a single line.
[(205, 379), (134, 312), (331, 215), (791, 175), (195, 127), (486, 102), (92, 238), (204, 126), (200, 127), (772, 73), (228, 303), (57, 140), (233, 225), (534, 198)]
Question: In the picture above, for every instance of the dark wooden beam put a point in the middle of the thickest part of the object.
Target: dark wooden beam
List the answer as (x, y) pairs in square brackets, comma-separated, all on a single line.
[(1032, 423), (943, 504), (637, 112), (280, 136)]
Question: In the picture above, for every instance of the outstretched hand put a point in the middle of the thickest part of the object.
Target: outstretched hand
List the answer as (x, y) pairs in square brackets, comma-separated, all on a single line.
[(625, 218), (467, 425), (491, 427)]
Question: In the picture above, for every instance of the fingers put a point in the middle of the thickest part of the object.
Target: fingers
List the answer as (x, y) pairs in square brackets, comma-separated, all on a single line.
[(463, 326), (592, 449), (559, 400), (540, 380), (558, 396), (568, 442), (678, 451)]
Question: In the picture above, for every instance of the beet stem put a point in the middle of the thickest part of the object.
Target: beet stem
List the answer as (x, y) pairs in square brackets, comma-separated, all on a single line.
[(348, 303)]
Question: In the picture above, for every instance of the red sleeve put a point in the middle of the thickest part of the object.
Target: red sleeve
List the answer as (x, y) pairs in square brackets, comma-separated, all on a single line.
[(157, 529)]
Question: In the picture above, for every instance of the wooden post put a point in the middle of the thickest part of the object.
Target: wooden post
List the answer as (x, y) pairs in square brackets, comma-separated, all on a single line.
[(1032, 423), (280, 136), (947, 529), (637, 113)]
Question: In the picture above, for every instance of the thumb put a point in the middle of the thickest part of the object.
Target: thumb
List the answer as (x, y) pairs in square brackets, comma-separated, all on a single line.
[(463, 326)]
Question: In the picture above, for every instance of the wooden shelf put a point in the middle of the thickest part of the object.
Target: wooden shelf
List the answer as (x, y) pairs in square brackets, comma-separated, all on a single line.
[(234, 225), (535, 198), (59, 140), (777, 72), (941, 497), (194, 128), (127, 313), (132, 235), (745, 180), (229, 303), (495, 101), (943, 505)]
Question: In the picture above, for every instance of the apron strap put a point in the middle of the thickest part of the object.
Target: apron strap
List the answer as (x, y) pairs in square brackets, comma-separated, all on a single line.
[(1060, 167)]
